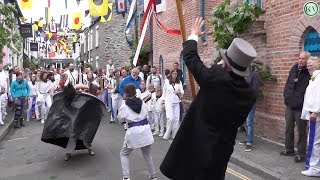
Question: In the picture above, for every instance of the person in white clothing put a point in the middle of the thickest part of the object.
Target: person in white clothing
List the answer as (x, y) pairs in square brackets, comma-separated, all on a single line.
[(145, 95), (44, 99), (72, 75), (116, 99), (310, 112), (142, 92), (157, 109), (4, 78), (57, 77), (33, 107), (109, 67), (138, 135), (154, 78), (4, 103), (172, 94)]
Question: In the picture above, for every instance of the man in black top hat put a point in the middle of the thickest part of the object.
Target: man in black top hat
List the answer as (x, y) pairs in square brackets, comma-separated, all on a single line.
[(204, 143)]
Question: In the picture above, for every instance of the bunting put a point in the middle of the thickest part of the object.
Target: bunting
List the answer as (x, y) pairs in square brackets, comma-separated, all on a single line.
[(26, 4), (98, 7), (108, 16), (76, 20), (121, 7)]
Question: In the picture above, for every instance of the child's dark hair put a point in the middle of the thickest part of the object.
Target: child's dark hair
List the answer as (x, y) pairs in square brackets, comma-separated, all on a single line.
[(130, 90)]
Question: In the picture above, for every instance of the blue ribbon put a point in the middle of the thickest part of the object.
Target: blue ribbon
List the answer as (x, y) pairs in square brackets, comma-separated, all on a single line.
[(311, 141), (129, 41)]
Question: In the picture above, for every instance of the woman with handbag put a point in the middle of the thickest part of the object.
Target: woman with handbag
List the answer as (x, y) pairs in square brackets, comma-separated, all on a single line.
[(172, 94)]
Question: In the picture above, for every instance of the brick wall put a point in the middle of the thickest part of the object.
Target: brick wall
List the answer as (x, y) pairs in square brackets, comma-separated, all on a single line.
[(277, 36)]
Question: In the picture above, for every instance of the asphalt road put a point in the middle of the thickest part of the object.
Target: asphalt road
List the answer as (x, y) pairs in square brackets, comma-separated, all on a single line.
[(23, 156)]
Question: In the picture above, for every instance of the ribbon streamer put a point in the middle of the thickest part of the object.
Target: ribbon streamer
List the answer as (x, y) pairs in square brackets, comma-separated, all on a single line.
[(144, 30), (132, 14)]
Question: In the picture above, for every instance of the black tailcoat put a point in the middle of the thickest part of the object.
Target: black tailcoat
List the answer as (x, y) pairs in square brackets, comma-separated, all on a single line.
[(205, 140)]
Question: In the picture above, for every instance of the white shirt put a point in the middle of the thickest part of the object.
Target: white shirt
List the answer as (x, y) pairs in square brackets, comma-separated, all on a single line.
[(155, 79), (137, 136), (157, 103), (168, 92), (33, 88), (4, 79), (141, 75), (44, 87), (311, 101), (72, 76), (57, 79), (108, 69)]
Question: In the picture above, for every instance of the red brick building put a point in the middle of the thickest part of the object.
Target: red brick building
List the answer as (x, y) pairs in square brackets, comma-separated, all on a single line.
[(278, 36)]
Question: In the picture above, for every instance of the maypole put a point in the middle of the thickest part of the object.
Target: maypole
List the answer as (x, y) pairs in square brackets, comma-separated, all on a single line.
[(184, 38)]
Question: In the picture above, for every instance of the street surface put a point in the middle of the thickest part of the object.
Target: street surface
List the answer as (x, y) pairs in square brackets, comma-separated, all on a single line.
[(23, 156)]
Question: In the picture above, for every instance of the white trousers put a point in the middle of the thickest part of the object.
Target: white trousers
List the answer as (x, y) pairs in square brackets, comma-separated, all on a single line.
[(124, 156), (313, 154), (158, 121), (3, 112), (116, 103), (36, 108), (44, 107), (1, 121), (151, 119), (173, 115)]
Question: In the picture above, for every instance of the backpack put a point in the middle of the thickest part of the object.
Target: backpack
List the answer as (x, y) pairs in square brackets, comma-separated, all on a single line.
[(158, 77)]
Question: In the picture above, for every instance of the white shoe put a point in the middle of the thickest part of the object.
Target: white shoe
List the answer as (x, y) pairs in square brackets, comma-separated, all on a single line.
[(155, 133), (42, 121), (5, 113), (161, 134), (28, 119), (311, 172), (1, 123)]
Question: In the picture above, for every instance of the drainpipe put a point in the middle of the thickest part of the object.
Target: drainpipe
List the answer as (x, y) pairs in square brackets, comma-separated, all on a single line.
[(203, 37)]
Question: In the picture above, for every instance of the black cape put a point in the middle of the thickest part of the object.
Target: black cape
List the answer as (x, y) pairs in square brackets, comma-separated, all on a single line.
[(80, 119), (204, 142)]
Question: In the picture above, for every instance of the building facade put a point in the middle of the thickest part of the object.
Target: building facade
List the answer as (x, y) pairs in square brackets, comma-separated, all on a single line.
[(103, 41), (279, 35)]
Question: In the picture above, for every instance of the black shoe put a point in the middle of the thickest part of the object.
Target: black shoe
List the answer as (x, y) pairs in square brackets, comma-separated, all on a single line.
[(16, 124), (111, 122), (287, 152), (91, 153), (299, 158), (68, 157), (21, 122)]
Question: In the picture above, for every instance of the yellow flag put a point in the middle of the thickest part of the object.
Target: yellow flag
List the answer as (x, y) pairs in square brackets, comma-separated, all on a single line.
[(108, 16), (98, 7), (35, 27), (76, 20), (26, 4)]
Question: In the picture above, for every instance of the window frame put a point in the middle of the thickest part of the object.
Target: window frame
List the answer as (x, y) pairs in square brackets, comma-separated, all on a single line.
[(97, 36)]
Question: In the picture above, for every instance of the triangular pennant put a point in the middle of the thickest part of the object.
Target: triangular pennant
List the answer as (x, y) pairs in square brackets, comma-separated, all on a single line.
[(26, 4), (98, 7)]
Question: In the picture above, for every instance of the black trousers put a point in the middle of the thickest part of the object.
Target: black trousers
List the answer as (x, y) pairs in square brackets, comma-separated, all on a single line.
[(293, 117), (19, 108)]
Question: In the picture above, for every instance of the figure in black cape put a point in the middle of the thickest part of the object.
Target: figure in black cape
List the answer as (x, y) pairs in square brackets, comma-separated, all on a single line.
[(204, 143), (73, 120)]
